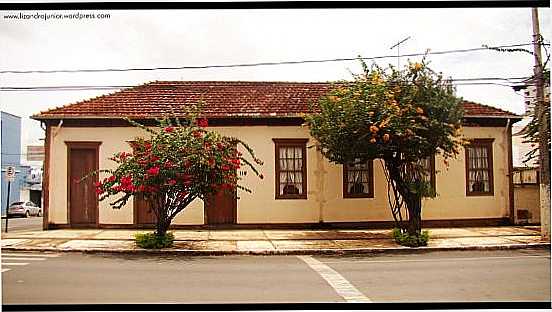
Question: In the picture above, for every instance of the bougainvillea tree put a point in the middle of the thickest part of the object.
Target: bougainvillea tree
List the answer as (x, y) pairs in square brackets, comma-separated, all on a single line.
[(179, 162), (398, 116)]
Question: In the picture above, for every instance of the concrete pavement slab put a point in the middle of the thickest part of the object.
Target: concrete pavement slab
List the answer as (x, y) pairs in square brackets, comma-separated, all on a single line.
[(190, 245), (84, 244), (295, 234), (304, 244), (444, 242), (372, 243), (221, 245), (117, 234), (46, 242), (237, 235), (505, 231), (255, 245), (452, 232), (191, 235), (524, 239), (347, 234), (13, 241)]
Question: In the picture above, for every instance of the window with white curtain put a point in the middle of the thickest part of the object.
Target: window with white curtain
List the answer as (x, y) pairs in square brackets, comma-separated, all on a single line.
[(479, 167), (429, 165), (291, 168), (358, 179)]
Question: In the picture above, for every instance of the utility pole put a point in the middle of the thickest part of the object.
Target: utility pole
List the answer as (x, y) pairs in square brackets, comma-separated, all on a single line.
[(544, 134)]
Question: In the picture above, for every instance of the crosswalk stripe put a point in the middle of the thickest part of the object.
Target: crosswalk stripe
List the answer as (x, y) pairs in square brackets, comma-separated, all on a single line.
[(15, 254), (342, 286), (14, 263), (21, 259), (5, 270)]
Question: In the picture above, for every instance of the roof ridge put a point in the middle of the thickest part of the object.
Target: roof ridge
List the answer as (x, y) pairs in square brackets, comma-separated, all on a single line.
[(491, 107), (238, 98)]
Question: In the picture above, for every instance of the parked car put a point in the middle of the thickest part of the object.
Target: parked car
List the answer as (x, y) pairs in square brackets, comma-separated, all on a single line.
[(24, 209)]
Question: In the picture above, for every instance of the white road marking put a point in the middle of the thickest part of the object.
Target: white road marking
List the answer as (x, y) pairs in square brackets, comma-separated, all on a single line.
[(431, 260), (14, 263), (5, 270), (343, 288), (22, 254), (21, 259)]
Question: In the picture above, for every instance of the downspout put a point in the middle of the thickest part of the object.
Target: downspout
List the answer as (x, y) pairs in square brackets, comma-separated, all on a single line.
[(511, 202)]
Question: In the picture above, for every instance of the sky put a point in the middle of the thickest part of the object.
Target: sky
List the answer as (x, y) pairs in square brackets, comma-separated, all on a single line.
[(165, 38)]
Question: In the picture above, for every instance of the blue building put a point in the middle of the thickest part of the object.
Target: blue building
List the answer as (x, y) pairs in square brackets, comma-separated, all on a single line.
[(11, 156)]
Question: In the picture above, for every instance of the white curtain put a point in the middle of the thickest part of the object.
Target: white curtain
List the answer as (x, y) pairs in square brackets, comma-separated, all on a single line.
[(291, 164), (479, 180), (357, 173)]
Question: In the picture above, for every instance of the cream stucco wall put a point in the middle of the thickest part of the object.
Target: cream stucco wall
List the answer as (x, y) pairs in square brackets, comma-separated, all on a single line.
[(325, 201), (526, 197)]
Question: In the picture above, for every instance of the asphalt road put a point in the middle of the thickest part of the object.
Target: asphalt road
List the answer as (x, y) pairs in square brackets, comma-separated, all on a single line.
[(522, 275), (19, 224)]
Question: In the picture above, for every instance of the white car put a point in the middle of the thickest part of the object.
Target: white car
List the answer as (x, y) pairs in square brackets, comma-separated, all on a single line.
[(24, 209)]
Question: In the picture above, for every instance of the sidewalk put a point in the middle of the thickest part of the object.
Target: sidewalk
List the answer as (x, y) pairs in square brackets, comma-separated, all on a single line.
[(275, 242)]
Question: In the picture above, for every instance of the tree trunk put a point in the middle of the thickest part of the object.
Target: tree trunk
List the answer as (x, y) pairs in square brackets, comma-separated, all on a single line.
[(162, 227), (412, 200), (414, 205), (163, 222)]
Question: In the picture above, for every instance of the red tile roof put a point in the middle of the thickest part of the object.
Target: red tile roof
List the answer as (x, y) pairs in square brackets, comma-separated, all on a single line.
[(221, 98)]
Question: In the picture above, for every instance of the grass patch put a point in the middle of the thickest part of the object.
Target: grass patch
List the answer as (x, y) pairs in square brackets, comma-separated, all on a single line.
[(406, 239), (152, 241)]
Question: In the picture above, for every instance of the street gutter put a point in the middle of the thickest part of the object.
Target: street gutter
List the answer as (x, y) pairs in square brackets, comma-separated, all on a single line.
[(351, 251)]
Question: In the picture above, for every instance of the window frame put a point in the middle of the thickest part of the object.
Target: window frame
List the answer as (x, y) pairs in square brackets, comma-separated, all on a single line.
[(432, 172), (488, 144), (345, 189), (278, 143)]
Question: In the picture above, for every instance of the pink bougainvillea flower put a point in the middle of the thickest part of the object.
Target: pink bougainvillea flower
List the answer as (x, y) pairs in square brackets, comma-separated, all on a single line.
[(153, 171), (202, 122), (169, 129), (111, 178), (171, 182)]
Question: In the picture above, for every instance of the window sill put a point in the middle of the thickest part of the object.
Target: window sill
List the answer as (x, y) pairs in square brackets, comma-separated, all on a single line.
[(480, 194), (291, 197), (348, 196)]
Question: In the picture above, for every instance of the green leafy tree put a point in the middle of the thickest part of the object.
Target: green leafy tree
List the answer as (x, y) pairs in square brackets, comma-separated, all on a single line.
[(179, 162), (399, 117)]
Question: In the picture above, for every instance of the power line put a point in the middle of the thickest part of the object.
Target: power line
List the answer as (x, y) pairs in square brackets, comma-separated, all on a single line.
[(107, 87), (254, 64)]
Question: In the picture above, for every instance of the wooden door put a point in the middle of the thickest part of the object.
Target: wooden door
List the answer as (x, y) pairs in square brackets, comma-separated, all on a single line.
[(83, 201), (220, 208), (142, 211)]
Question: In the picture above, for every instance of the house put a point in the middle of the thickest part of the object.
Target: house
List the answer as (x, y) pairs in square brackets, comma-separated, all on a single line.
[(526, 173), (11, 156), (301, 188)]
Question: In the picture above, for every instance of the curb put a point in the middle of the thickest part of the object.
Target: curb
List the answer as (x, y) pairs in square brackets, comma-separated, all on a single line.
[(351, 251)]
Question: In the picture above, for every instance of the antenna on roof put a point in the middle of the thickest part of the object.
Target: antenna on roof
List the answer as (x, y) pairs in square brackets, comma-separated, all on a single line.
[(398, 54)]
